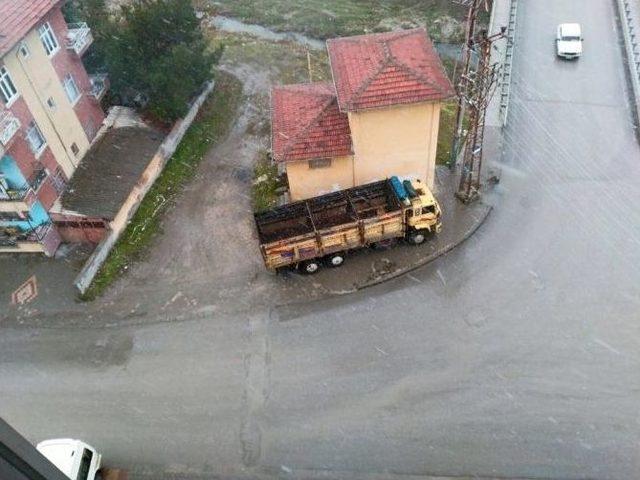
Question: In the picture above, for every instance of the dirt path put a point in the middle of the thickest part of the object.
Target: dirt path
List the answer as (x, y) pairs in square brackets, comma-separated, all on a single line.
[(208, 252)]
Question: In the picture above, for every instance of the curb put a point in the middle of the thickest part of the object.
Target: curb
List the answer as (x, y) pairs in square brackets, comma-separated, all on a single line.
[(430, 258)]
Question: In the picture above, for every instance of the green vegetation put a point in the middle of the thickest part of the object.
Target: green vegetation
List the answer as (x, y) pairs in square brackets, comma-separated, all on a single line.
[(211, 126), (266, 183), (334, 18), (154, 51), (446, 132)]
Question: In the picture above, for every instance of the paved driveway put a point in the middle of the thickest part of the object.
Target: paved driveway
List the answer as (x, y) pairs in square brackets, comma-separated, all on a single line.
[(516, 355)]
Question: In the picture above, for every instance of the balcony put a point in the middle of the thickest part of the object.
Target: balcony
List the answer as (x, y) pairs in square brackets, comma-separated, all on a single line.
[(99, 85), (9, 125), (13, 240), (79, 37), (15, 202)]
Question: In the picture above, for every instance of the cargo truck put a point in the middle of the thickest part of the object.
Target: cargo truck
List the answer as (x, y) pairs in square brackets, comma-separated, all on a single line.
[(321, 230)]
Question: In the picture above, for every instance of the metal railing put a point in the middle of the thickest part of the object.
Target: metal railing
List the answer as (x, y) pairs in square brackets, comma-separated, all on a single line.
[(10, 236), (14, 194), (505, 84), (37, 178), (9, 125), (629, 23), (79, 37), (99, 84)]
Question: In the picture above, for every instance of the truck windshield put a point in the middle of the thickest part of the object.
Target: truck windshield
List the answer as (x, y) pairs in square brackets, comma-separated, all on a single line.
[(570, 38)]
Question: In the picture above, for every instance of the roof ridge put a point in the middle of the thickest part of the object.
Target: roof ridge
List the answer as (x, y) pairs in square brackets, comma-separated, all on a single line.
[(303, 133), (417, 75), (365, 85)]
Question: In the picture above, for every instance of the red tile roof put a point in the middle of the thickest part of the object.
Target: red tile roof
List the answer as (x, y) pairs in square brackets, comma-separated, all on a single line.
[(18, 17), (306, 123), (385, 69)]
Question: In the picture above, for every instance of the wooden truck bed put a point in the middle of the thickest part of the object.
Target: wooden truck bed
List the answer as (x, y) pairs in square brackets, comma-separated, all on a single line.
[(329, 223)]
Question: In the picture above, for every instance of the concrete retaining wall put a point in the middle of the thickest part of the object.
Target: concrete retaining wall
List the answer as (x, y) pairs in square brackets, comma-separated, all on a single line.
[(630, 23), (140, 189)]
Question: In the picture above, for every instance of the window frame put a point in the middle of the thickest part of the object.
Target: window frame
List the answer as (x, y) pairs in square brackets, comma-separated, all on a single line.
[(48, 39), (5, 77), (319, 163), (70, 80), (33, 127)]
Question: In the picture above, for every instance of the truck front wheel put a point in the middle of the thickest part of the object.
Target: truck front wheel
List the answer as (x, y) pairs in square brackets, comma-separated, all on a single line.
[(335, 260), (309, 266), (417, 237)]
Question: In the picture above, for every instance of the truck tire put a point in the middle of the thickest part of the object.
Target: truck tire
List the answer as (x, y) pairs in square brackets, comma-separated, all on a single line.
[(417, 237), (309, 266), (335, 260)]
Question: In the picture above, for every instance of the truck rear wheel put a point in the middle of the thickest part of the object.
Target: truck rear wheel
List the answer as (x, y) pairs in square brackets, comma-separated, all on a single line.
[(309, 266), (417, 237), (335, 260)]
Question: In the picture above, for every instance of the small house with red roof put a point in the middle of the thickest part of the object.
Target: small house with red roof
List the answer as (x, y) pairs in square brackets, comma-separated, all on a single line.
[(379, 117)]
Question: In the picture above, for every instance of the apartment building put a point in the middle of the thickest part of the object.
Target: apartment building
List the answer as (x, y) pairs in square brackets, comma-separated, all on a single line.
[(49, 114)]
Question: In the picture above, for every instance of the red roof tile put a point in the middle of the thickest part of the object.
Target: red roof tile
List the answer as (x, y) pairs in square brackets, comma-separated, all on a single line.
[(384, 69), (306, 123), (18, 17)]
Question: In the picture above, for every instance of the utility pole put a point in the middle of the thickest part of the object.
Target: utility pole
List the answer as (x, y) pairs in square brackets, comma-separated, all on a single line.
[(461, 87), (480, 85)]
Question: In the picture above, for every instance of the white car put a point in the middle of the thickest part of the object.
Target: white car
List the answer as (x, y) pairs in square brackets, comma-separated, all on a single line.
[(76, 459), (569, 40)]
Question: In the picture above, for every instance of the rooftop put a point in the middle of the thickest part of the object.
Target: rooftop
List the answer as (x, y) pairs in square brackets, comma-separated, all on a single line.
[(18, 17), (110, 169), (306, 123), (384, 69)]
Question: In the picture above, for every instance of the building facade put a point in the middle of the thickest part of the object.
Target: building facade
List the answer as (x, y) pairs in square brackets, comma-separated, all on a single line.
[(379, 117), (49, 114)]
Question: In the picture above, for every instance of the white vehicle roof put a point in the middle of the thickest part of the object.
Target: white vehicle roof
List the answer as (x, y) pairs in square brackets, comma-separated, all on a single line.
[(570, 29), (60, 452)]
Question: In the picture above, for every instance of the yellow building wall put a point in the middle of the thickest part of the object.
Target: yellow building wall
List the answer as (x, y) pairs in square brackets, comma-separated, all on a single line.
[(305, 182), (36, 81), (399, 140)]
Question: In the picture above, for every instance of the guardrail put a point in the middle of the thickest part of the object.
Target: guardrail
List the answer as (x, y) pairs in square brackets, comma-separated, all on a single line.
[(505, 80), (632, 49)]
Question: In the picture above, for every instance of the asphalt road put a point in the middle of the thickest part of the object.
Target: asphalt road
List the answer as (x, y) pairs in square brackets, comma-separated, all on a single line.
[(515, 356)]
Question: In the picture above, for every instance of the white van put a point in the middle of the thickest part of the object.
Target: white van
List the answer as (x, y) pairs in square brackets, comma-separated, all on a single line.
[(76, 459)]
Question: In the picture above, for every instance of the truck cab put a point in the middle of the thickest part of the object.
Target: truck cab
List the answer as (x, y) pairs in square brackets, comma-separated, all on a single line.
[(76, 459), (423, 213)]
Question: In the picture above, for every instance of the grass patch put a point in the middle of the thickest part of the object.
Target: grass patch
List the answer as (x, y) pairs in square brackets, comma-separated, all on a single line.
[(265, 184), (210, 126), (446, 132)]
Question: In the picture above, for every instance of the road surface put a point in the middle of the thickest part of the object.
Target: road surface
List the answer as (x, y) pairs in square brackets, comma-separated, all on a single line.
[(518, 355)]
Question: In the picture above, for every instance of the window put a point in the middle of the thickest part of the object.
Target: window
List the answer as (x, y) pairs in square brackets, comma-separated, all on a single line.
[(7, 88), (320, 163), (36, 139), (24, 50), (75, 149), (48, 39), (429, 209), (71, 88), (85, 465)]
